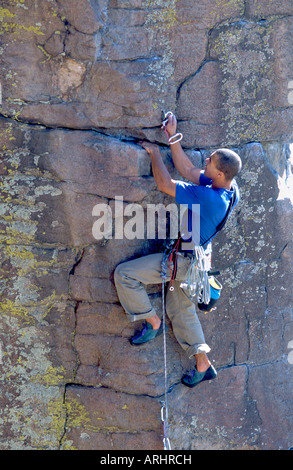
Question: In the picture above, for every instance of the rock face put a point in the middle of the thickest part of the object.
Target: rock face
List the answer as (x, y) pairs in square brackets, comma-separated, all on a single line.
[(80, 79)]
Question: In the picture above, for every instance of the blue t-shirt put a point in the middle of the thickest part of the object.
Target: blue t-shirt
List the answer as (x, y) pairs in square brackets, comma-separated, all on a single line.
[(213, 204)]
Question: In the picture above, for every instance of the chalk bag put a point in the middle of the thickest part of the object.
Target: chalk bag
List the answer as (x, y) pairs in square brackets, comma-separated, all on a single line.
[(215, 288)]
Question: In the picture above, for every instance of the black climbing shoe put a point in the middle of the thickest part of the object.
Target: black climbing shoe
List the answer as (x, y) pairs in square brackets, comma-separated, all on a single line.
[(196, 377), (146, 334)]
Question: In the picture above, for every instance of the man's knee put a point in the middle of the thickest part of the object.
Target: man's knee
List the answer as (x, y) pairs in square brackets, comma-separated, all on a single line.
[(118, 273)]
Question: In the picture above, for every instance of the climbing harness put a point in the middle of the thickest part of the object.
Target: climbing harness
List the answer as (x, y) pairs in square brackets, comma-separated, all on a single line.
[(175, 138), (197, 277)]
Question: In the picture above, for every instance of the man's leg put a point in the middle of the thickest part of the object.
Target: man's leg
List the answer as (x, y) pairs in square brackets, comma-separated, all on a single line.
[(202, 362), (187, 328), (186, 325), (130, 280), (188, 331)]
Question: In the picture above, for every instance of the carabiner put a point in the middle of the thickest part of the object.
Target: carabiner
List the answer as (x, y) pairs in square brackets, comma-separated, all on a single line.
[(164, 419), (166, 442), (165, 118), (178, 137)]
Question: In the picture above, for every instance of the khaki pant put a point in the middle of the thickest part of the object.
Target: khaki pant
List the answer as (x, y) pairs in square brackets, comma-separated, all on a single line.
[(130, 278)]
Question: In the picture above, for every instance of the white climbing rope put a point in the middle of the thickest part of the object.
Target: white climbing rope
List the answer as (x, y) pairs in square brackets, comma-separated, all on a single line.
[(198, 286), (164, 409)]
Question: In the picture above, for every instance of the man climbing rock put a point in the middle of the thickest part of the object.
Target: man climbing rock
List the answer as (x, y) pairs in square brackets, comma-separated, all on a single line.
[(212, 189)]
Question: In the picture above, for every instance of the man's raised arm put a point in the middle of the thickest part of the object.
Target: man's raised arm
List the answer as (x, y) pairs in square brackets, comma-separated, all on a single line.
[(162, 176), (182, 163)]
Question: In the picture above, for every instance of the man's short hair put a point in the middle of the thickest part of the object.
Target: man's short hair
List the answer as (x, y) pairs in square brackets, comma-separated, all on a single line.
[(228, 162)]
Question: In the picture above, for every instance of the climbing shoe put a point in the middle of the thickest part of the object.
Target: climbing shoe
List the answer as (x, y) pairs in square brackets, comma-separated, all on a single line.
[(196, 377), (146, 334)]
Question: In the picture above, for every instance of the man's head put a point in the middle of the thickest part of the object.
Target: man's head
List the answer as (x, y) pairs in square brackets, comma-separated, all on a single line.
[(222, 166)]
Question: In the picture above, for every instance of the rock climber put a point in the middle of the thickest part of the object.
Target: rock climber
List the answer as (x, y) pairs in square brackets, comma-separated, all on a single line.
[(210, 188)]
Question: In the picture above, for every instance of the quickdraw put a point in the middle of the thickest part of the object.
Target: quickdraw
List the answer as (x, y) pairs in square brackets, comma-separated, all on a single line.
[(164, 418)]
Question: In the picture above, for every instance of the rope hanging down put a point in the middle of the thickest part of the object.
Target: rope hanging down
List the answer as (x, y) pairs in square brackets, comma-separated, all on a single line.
[(164, 409), (198, 287)]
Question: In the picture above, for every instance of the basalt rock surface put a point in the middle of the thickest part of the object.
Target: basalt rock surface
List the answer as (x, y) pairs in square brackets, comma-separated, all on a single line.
[(81, 80)]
